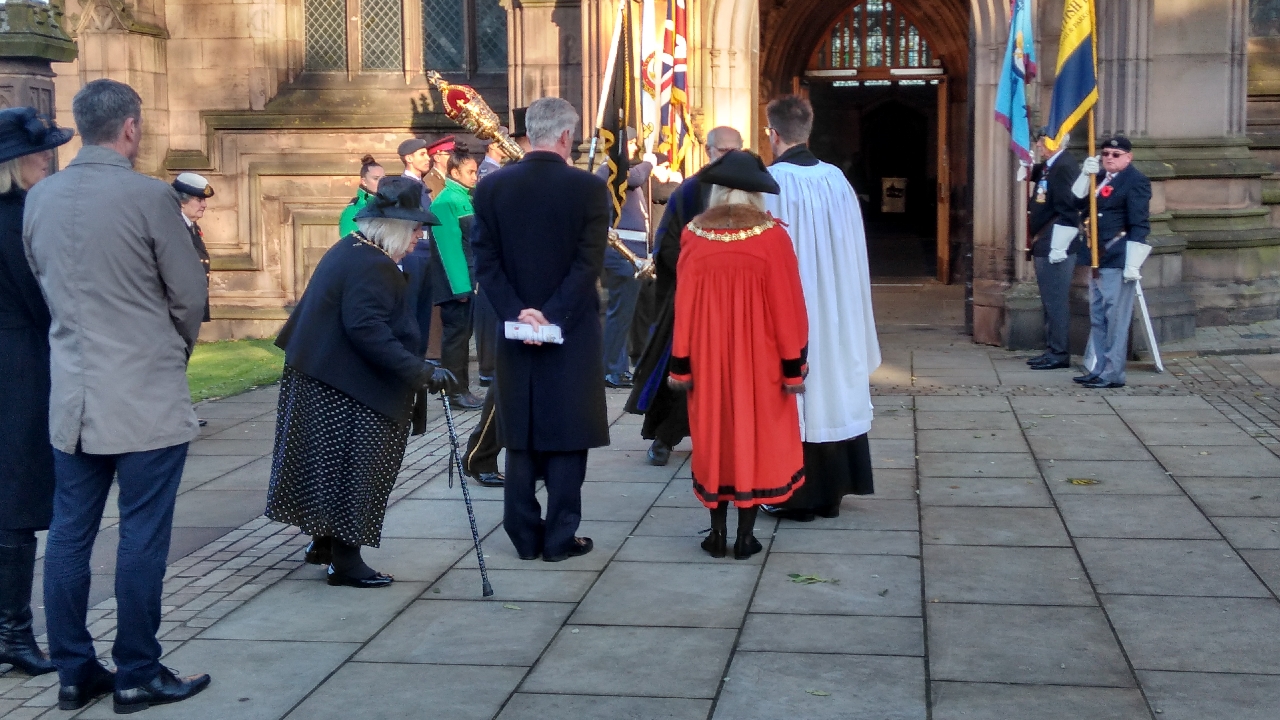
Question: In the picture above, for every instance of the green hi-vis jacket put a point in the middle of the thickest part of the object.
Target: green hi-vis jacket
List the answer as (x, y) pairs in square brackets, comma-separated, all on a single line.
[(347, 221), (451, 207)]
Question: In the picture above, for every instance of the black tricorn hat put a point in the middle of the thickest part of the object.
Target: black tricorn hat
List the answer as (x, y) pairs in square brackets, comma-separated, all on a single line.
[(23, 131), (517, 122), (398, 198), (740, 170)]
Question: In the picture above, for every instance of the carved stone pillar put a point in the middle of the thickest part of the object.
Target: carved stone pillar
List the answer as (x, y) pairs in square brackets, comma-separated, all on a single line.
[(31, 38), (546, 40)]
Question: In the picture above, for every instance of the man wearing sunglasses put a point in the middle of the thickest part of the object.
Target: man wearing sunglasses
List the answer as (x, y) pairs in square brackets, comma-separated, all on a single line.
[(1124, 207)]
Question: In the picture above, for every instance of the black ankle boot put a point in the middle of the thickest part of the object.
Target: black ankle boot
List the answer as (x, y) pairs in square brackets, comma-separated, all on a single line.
[(319, 550), (716, 539), (17, 641), (747, 544)]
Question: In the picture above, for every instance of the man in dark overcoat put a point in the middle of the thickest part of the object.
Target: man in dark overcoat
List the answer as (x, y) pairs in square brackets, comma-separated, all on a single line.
[(1053, 222), (539, 240)]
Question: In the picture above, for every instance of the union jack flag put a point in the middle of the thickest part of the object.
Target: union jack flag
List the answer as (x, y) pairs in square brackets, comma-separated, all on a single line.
[(673, 95)]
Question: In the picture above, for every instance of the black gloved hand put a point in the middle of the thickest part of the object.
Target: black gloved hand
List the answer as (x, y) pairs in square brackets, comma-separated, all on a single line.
[(436, 379)]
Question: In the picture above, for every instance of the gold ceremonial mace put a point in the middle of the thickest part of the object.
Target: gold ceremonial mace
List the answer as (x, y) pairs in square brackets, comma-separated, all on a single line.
[(463, 105)]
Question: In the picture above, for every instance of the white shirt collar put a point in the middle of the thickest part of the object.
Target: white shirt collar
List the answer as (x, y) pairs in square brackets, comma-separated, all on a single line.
[(1049, 163), (186, 220)]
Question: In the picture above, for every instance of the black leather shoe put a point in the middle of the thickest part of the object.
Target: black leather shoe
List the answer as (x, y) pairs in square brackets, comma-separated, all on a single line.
[(659, 453), (788, 514), (73, 697), (202, 422), (746, 546), (1082, 379), (486, 382), (319, 551), (1036, 360), (378, 580), (466, 401), (616, 381), (1051, 365), (1101, 384), (491, 479), (163, 689), (580, 546), (715, 544), (534, 556)]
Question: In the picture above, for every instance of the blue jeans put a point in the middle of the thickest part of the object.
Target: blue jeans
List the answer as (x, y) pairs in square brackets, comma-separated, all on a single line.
[(148, 487), (623, 287)]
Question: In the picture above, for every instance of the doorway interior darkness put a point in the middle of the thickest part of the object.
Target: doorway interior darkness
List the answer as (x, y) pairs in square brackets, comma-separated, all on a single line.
[(873, 130)]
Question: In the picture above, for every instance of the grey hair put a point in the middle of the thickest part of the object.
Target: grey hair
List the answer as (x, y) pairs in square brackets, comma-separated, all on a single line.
[(721, 195), (11, 176), (184, 198), (725, 134), (547, 119), (391, 234), (100, 109)]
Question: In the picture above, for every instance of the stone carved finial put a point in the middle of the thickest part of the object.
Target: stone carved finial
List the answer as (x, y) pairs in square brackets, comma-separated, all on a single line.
[(34, 30), (111, 15)]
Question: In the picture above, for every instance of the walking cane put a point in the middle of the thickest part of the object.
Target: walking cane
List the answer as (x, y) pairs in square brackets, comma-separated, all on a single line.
[(486, 589)]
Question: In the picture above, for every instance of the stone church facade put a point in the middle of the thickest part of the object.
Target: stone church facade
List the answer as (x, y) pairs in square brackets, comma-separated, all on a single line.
[(275, 100)]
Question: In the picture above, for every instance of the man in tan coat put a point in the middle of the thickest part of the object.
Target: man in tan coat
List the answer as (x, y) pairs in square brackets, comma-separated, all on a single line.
[(126, 292)]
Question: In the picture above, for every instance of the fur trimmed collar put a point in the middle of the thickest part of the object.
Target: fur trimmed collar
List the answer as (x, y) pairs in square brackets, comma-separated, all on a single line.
[(732, 217)]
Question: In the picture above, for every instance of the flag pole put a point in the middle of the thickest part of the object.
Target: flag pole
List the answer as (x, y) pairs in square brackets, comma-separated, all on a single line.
[(609, 68), (1093, 196)]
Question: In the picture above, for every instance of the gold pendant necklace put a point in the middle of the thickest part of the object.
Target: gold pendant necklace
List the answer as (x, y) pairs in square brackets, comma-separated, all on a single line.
[(361, 238)]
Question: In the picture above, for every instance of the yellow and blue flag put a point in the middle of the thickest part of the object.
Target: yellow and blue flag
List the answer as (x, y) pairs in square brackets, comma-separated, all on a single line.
[(1018, 70), (1075, 91)]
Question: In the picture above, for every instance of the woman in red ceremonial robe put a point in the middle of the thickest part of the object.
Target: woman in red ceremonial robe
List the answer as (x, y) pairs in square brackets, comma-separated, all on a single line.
[(739, 346)]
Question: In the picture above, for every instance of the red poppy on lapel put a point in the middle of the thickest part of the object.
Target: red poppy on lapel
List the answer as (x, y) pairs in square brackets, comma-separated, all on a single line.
[(1105, 191)]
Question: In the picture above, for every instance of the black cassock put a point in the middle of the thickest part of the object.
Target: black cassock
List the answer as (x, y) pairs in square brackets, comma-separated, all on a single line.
[(666, 412)]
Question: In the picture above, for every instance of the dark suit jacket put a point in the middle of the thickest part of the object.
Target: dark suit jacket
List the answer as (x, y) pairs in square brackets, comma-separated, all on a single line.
[(26, 456), (197, 240), (539, 239), (354, 329), (1125, 209), (1060, 206)]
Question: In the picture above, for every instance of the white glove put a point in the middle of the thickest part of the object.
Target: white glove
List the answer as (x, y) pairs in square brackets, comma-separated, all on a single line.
[(1023, 171), (1088, 169), (649, 158), (1091, 165), (1060, 242), (1135, 253)]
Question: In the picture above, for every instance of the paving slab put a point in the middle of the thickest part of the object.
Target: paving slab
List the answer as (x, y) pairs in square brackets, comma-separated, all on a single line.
[(1235, 497), (1197, 696), (665, 549), (982, 441), (1098, 446), (1253, 533), (669, 594), (407, 560), (1081, 428), (891, 454), (1171, 433), (253, 476), (219, 508), (445, 519), (437, 488), (1212, 461), (1130, 516), (797, 538), (1203, 415), (988, 701), (619, 466), (1025, 527), (675, 522), (895, 484), (617, 500), (241, 689), (949, 420), (961, 403), (1209, 568), (294, 610), (1190, 634), (393, 691), (474, 632), (1020, 465), (1266, 563), (501, 554), (212, 446), (855, 686), (985, 492), (1024, 645), (868, 585), (835, 634), (1087, 405), (680, 662), (523, 585), (1005, 575), (248, 430), (1115, 477), (866, 513), (200, 469), (892, 425), (1158, 402), (533, 706)]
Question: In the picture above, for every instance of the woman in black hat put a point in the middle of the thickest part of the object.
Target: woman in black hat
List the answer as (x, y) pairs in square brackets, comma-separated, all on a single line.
[(350, 376), (26, 457), (739, 350)]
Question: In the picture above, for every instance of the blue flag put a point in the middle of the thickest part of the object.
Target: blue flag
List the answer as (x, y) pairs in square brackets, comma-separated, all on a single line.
[(1075, 90), (1018, 70)]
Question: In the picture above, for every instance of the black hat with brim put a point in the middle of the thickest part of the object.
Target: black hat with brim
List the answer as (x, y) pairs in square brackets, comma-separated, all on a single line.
[(517, 122), (740, 170), (23, 131), (1119, 142), (398, 198)]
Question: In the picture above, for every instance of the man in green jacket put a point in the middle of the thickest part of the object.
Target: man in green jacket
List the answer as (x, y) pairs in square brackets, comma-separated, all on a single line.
[(451, 276), (371, 173)]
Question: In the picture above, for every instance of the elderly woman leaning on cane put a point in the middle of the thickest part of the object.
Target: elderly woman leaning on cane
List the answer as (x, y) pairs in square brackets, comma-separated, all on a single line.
[(26, 457), (350, 377)]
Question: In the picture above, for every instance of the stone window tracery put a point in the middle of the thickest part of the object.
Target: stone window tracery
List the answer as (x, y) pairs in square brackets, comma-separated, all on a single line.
[(876, 36), (325, 30), (464, 37)]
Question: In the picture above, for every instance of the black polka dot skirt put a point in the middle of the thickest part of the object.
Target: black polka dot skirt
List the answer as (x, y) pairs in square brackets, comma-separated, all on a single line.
[(335, 461)]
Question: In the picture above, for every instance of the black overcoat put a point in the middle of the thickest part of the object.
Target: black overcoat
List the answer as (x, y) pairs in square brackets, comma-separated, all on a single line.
[(26, 456), (202, 252), (539, 239), (1124, 206), (354, 329), (1059, 207)]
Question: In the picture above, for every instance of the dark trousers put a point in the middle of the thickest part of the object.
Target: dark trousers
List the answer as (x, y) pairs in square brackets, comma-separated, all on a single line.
[(522, 515), (486, 331), (642, 321), (455, 341), (1054, 280), (148, 487), (483, 445), (623, 287)]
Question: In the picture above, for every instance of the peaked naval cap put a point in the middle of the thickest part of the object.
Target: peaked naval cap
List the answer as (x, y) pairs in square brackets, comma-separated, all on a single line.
[(398, 198), (23, 131)]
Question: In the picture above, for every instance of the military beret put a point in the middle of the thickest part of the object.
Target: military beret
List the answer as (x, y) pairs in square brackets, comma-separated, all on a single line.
[(410, 146), (1119, 142)]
